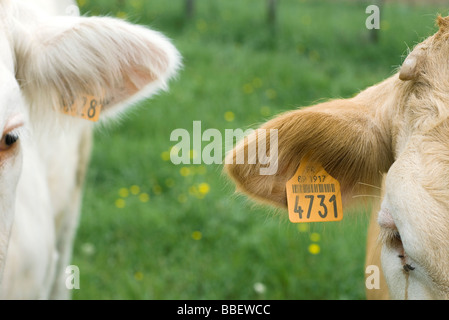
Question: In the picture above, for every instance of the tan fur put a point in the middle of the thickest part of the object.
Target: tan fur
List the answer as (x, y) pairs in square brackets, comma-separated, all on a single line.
[(373, 249), (398, 128)]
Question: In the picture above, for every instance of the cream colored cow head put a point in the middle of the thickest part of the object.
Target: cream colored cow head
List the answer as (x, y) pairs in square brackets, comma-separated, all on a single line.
[(398, 129)]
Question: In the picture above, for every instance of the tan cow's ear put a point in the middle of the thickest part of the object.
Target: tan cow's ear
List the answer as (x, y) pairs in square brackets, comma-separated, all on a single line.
[(340, 134), (443, 23)]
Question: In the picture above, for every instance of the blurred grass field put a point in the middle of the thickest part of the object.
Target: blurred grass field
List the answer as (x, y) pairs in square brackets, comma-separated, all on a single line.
[(154, 230)]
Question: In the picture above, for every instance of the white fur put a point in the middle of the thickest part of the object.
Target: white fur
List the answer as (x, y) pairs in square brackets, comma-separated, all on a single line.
[(44, 60)]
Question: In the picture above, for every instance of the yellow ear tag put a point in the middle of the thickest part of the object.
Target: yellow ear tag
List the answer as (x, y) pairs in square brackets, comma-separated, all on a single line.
[(313, 195), (86, 107)]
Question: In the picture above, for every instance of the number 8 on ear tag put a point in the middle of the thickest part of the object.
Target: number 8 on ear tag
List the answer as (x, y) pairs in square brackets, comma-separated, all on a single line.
[(86, 107), (313, 195)]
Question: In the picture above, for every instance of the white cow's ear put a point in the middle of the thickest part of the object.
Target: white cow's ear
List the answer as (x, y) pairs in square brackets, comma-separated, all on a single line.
[(65, 60)]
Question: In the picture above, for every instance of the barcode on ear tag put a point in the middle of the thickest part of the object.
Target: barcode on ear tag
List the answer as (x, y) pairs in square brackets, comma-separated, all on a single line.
[(313, 195), (87, 107)]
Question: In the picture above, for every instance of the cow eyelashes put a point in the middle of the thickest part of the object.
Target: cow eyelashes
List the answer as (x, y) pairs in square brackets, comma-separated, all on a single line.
[(397, 236), (390, 236)]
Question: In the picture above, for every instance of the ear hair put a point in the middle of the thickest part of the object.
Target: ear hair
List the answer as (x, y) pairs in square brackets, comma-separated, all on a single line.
[(443, 23), (107, 58)]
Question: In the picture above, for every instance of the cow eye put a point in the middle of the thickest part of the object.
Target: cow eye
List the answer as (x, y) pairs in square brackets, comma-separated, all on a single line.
[(8, 141)]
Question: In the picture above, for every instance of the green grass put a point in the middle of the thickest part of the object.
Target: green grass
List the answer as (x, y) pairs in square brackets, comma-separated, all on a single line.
[(184, 244)]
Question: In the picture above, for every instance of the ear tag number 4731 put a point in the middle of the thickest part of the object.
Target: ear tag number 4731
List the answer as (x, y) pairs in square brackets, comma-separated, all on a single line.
[(313, 195)]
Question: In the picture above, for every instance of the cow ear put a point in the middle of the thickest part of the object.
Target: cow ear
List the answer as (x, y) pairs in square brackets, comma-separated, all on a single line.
[(66, 59), (443, 23), (341, 135)]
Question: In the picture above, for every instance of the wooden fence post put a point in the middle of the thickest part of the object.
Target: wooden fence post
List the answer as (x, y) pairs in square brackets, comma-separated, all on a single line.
[(190, 8), (374, 33), (271, 13)]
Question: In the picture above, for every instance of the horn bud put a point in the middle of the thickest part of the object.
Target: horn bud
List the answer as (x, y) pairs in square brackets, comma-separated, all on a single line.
[(408, 69)]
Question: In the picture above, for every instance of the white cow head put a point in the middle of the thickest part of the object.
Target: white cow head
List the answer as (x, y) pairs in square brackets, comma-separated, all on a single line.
[(400, 128), (50, 63)]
